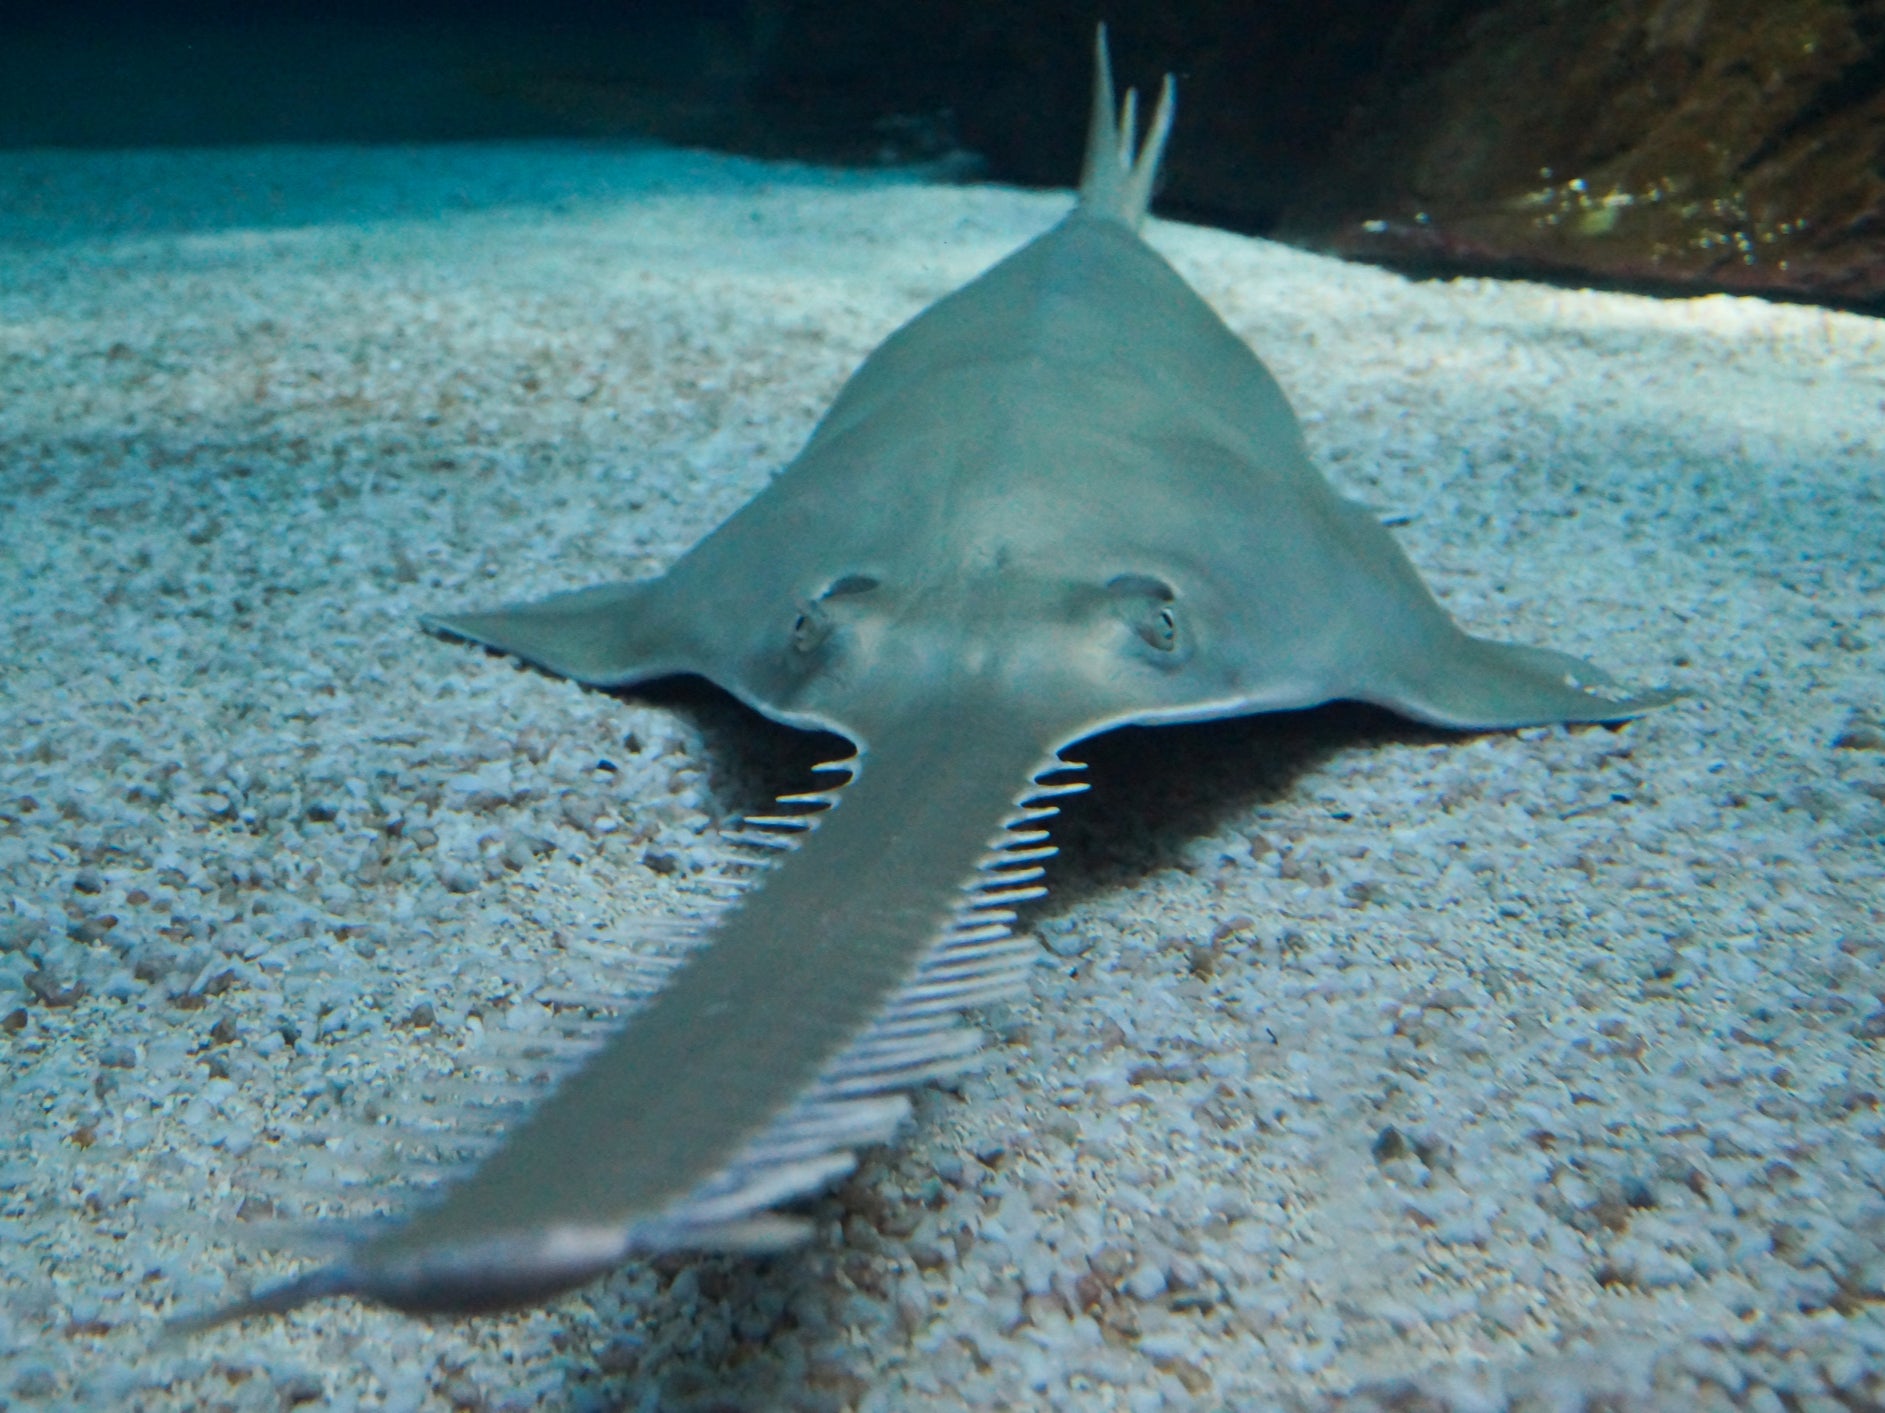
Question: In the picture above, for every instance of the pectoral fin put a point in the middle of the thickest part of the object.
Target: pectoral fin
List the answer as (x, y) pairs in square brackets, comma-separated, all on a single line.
[(1473, 683), (606, 636)]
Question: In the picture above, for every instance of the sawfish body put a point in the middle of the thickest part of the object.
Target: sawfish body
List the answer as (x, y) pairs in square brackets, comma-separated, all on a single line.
[(1062, 499)]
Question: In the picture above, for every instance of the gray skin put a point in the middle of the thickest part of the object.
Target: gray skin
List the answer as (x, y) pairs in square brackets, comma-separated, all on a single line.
[(1063, 499)]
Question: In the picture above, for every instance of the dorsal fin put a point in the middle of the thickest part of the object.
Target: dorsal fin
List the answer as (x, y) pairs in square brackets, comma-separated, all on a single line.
[(1116, 182)]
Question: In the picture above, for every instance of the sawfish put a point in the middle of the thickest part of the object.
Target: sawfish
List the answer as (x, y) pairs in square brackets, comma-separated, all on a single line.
[(1063, 499)]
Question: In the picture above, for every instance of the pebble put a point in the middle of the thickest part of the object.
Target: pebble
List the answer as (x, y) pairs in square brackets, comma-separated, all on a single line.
[(459, 878), (1147, 1282), (34, 1382), (1064, 938)]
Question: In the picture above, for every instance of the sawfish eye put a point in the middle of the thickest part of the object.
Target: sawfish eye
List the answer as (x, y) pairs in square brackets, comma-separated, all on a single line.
[(814, 623), (1161, 629), (1148, 606), (810, 628)]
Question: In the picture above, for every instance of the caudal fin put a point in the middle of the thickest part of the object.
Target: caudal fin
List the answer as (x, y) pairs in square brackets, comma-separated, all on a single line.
[(1117, 180)]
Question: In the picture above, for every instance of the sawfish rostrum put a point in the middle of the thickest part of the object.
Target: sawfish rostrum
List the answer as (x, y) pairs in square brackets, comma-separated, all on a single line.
[(1063, 499)]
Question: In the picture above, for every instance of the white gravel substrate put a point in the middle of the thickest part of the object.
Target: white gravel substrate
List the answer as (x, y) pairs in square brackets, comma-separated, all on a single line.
[(1370, 1068)]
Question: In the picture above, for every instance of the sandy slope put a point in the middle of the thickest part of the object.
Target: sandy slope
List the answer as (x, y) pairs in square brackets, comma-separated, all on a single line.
[(1534, 1067)]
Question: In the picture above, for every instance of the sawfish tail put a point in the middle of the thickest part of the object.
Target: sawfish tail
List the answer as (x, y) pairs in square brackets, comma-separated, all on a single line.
[(1117, 179), (778, 1048)]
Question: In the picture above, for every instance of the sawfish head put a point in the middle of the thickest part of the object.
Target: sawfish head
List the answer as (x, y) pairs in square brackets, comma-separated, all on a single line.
[(1071, 535), (1070, 486)]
